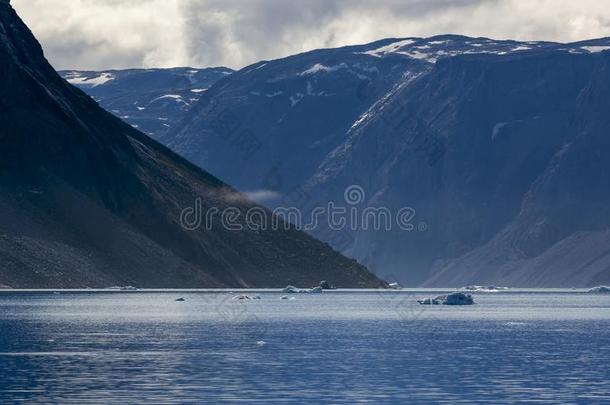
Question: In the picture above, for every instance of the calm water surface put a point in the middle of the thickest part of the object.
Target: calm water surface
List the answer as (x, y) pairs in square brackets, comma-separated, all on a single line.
[(339, 347)]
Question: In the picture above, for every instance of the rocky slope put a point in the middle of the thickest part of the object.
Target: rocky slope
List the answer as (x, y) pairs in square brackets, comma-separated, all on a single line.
[(88, 201), (496, 146)]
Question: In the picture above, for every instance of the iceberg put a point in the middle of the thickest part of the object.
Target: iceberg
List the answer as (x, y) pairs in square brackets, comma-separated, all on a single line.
[(602, 289), (431, 301), (457, 298), (126, 288), (480, 288), (293, 290), (327, 286), (395, 286), (247, 297)]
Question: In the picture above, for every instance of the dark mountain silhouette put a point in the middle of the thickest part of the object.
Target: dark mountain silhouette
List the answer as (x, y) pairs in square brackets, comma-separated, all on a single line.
[(88, 201)]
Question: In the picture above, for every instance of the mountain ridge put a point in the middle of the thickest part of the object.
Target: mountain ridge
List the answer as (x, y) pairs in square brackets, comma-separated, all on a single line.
[(150, 100), (297, 120)]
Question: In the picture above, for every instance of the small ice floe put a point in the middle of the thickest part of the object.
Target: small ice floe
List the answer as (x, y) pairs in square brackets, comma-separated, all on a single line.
[(457, 298), (395, 286), (180, 300), (285, 297), (602, 289), (316, 290), (125, 288), (293, 290), (247, 297), (480, 288), (261, 343), (326, 285)]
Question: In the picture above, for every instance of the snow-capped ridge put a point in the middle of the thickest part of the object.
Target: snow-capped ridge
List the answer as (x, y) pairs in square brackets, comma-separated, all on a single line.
[(77, 79)]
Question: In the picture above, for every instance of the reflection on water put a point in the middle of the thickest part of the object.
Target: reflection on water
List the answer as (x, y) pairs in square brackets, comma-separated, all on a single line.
[(332, 348)]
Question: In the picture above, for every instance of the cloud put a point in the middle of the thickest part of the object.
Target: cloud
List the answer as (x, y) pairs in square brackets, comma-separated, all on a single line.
[(258, 196), (101, 34), (262, 196)]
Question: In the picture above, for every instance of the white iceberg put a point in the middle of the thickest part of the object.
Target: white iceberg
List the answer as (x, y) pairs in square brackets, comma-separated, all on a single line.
[(126, 288), (395, 286), (481, 288), (457, 298), (602, 289)]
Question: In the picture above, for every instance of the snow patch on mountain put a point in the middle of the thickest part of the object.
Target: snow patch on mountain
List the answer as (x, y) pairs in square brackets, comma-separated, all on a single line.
[(176, 97), (296, 99), (391, 48), (497, 128), (319, 68), (77, 79), (366, 67), (595, 49)]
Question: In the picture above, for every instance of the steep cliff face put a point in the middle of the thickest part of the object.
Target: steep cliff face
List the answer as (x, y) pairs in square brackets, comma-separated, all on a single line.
[(281, 118), (496, 145), (558, 234), (88, 201), (501, 158)]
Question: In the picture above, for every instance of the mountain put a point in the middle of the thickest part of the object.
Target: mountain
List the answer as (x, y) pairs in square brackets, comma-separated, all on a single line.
[(151, 100), (88, 201), (494, 148)]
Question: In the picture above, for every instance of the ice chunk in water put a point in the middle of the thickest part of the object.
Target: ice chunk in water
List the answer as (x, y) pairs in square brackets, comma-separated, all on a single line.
[(602, 289), (457, 298)]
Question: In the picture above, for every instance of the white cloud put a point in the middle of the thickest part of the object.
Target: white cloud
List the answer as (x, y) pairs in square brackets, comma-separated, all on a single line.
[(104, 34), (101, 34), (262, 196)]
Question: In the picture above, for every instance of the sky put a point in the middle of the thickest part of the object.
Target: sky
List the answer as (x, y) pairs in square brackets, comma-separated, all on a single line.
[(107, 34)]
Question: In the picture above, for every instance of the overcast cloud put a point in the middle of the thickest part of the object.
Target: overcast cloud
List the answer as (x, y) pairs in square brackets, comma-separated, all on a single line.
[(103, 34)]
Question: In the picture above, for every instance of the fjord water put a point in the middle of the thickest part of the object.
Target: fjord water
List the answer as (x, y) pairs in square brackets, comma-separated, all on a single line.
[(337, 347)]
